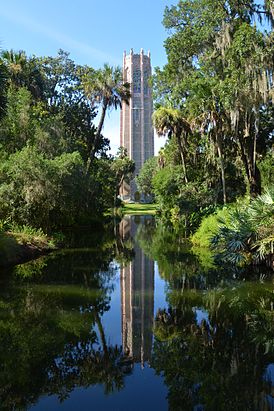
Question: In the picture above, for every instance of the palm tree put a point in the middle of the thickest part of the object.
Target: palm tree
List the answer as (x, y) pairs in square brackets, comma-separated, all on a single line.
[(123, 168), (15, 62), (170, 121), (105, 87), (161, 158), (3, 83), (247, 235), (24, 72), (213, 122)]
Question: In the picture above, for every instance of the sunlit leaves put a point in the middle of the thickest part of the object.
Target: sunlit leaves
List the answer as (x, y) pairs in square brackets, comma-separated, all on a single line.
[(247, 234)]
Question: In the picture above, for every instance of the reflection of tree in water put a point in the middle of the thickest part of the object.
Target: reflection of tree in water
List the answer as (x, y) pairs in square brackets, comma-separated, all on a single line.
[(176, 263), (215, 341), (217, 360), (51, 331), (87, 363), (50, 321), (124, 242), (212, 345), (84, 262), (183, 268)]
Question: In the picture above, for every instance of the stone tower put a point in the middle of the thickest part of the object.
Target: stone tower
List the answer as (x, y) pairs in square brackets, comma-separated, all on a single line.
[(136, 130)]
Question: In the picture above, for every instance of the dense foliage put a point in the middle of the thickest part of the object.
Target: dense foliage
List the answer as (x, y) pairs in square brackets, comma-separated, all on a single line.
[(247, 235), (58, 302), (214, 103), (55, 170)]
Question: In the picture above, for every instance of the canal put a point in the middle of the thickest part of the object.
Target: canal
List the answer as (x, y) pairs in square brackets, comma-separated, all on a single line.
[(130, 318)]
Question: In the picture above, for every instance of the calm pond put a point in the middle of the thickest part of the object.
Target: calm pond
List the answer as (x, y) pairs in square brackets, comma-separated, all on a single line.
[(131, 319)]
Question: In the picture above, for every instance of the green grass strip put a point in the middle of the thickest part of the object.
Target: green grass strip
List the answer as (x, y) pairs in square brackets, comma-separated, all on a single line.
[(139, 208)]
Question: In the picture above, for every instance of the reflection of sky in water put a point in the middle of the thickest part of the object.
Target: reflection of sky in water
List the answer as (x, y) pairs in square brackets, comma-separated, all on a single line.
[(159, 291), (201, 315), (136, 294), (145, 388), (143, 391), (111, 319), (270, 402), (269, 377), (269, 373)]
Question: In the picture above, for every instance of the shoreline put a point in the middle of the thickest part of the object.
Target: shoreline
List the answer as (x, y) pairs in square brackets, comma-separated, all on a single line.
[(25, 253), (17, 250)]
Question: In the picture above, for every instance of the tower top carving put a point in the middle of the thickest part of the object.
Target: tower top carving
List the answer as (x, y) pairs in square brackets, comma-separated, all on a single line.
[(131, 53)]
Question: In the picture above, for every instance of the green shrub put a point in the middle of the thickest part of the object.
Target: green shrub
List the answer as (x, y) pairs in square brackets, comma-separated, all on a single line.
[(41, 192), (266, 167), (248, 236), (209, 227)]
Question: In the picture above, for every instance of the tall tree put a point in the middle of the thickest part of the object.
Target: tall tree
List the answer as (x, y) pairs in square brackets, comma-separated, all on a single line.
[(62, 80), (123, 168), (15, 62), (219, 45), (3, 87), (106, 88), (170, 121), (25, 72), (208, 117)]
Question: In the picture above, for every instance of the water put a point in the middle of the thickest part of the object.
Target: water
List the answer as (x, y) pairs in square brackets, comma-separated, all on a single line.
[(131, 319)]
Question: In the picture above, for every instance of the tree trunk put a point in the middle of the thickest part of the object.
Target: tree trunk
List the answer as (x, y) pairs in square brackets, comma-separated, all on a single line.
[(248, 156), (255, 186), (117, 190), (102, 333), (220, 154), (255, 182), (182, 156)]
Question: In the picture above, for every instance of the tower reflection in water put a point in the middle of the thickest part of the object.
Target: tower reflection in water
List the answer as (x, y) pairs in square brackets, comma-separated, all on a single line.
[(137, 297)]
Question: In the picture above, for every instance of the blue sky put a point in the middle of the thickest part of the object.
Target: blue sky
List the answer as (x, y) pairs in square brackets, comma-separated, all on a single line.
[(93, 31)]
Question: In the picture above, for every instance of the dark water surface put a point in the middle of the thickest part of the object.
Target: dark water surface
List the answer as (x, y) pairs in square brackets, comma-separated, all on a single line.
[(131, 319)]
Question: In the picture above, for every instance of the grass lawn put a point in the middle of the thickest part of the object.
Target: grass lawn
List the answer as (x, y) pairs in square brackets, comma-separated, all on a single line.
[(138, 208)]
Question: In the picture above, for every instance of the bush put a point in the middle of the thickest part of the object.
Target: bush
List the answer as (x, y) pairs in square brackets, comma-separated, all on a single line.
[(41, 192), (145, 176), (209, 227), (248, 236), (241, 233), (266, 167)]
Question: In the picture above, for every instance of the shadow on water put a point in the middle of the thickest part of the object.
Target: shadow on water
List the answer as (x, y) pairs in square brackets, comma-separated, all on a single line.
[(139, 320)]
